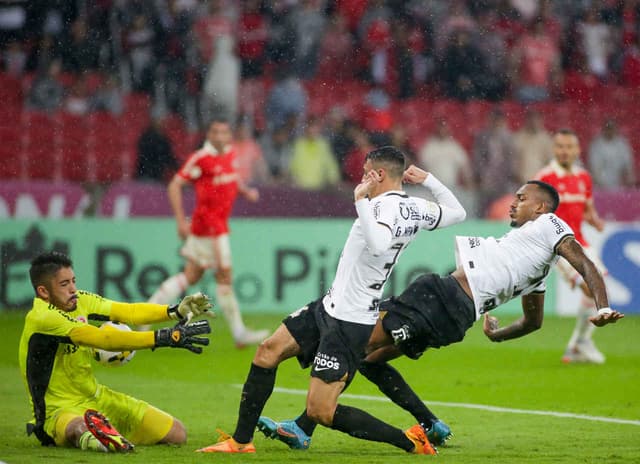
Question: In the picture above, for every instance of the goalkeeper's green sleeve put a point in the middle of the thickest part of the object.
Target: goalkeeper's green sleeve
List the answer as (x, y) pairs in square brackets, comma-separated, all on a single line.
[(112, 340)]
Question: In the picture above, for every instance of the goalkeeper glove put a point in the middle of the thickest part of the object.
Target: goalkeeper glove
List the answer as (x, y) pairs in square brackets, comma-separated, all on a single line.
[(190, 306), (182, 336)]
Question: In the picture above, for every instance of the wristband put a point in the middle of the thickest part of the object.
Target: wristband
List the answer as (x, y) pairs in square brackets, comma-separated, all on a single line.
[(172, 312), (604, 311)]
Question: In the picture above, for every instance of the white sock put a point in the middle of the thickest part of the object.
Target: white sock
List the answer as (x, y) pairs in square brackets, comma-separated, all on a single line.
[(229, 305), (584, 328), (170, 289)]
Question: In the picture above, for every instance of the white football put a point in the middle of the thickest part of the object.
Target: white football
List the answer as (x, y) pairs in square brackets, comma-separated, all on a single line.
[(113, 358)]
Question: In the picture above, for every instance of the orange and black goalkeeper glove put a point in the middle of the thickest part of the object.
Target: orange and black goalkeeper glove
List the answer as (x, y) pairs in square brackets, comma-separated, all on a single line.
[(182, 336)]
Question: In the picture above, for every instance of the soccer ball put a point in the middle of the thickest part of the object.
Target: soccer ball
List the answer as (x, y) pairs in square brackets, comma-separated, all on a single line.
[(113, 358)]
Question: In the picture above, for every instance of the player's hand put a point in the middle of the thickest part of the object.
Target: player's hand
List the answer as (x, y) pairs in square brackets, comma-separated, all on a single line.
[(606, 318), (490, 325), (366, 186), (251, 194), (414, 175), (184, 228), (182, 336), (190, 306)]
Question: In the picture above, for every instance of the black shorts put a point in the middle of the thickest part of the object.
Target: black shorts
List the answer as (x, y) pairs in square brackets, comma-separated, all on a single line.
[(432, 312), (334, 347)]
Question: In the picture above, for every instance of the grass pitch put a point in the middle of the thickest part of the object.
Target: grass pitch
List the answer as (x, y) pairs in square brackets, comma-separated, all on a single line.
[(520, 376)]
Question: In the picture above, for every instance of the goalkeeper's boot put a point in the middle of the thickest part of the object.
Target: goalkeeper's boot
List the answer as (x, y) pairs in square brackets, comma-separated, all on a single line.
[(226, 444), (287, 432), (420, 441), (250, 337), (438, 433), (106, 434)]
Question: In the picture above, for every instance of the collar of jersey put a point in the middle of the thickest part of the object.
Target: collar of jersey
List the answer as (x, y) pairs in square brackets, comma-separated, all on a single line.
[(560, 171), (211, 150), (395, 192)]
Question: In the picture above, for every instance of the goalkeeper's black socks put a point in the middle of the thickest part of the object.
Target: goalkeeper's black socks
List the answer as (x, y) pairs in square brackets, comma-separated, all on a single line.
[(360, 424), (255, 393), (391, 383), (306, 424)]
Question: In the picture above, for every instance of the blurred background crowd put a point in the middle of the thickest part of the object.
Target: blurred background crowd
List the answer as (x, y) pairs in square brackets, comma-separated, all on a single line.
[(109, 90)]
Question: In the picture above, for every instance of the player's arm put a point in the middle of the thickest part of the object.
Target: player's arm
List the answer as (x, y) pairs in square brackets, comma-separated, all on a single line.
[(378, 236), (182, 335), (531, 320), (148, 313), (591, 215), (250, 193), (572, 251), (174, 191), (452, 211)]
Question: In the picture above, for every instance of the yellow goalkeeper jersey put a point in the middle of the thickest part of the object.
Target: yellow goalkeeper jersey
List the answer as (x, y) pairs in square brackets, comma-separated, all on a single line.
[(56, 372)]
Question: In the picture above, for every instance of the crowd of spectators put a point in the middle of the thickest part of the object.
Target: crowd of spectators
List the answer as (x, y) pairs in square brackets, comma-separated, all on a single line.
[(191, 56)]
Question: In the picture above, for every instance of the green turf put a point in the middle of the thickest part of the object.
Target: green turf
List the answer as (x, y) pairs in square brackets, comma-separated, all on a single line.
[(525, 374)]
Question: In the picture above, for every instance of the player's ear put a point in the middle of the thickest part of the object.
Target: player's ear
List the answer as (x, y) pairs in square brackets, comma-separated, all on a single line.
[(42, 292), (541, 207)]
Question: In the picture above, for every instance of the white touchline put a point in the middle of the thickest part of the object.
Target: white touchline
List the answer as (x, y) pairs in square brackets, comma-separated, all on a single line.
[(483, 407)]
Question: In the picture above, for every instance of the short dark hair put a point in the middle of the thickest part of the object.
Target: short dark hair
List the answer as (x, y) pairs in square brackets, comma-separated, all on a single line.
[(392, 157), (565, 131), (220, 120), (45, 265), (553, 199)]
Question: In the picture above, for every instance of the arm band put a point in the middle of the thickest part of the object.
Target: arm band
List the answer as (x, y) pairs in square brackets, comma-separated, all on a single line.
[(377, 235), (452, 211), (112, 340)]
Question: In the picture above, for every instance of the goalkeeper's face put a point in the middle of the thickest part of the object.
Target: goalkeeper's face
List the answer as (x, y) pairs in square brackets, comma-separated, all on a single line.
[(61, 290)]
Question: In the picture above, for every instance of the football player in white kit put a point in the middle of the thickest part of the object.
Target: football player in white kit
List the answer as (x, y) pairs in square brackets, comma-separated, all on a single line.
[(436, 311), (331, 333)]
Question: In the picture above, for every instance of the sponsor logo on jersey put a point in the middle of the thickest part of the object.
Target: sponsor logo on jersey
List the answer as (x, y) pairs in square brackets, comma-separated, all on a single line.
[(400, 334), (474, 242), (224, 178), (409, 211), (556, 224), (323, 362)]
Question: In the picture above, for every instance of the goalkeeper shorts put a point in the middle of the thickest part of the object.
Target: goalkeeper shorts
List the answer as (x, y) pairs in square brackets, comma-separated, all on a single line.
[(139, 422)]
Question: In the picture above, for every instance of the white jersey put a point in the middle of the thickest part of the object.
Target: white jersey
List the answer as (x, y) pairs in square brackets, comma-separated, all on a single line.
[(499, 270), (361, 275)]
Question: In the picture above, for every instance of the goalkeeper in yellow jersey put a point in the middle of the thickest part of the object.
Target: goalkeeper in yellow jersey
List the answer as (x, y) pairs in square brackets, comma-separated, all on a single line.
[(69, 407)]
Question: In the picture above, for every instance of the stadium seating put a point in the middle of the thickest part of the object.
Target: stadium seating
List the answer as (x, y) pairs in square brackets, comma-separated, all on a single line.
[(101, 147)]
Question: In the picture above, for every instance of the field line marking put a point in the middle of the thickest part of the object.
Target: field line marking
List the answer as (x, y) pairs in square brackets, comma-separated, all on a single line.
[(482, 407)]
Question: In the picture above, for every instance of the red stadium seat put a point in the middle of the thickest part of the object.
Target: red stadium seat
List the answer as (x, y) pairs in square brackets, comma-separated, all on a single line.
[(41, 146)]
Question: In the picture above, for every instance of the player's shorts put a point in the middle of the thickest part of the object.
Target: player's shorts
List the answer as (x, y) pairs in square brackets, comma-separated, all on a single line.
[(139, 422), (202, 251), (335, 348), (432, 312), (572, 276)]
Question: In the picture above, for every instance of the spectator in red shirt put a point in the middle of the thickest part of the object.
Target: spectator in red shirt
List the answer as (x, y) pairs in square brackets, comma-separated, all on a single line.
[(253, 31), (536, 64), (208, 28)]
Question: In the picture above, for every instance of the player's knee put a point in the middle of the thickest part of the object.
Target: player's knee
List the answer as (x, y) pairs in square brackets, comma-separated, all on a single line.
[(267, 354), (320, 412), (177, 435), (223, 278)]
